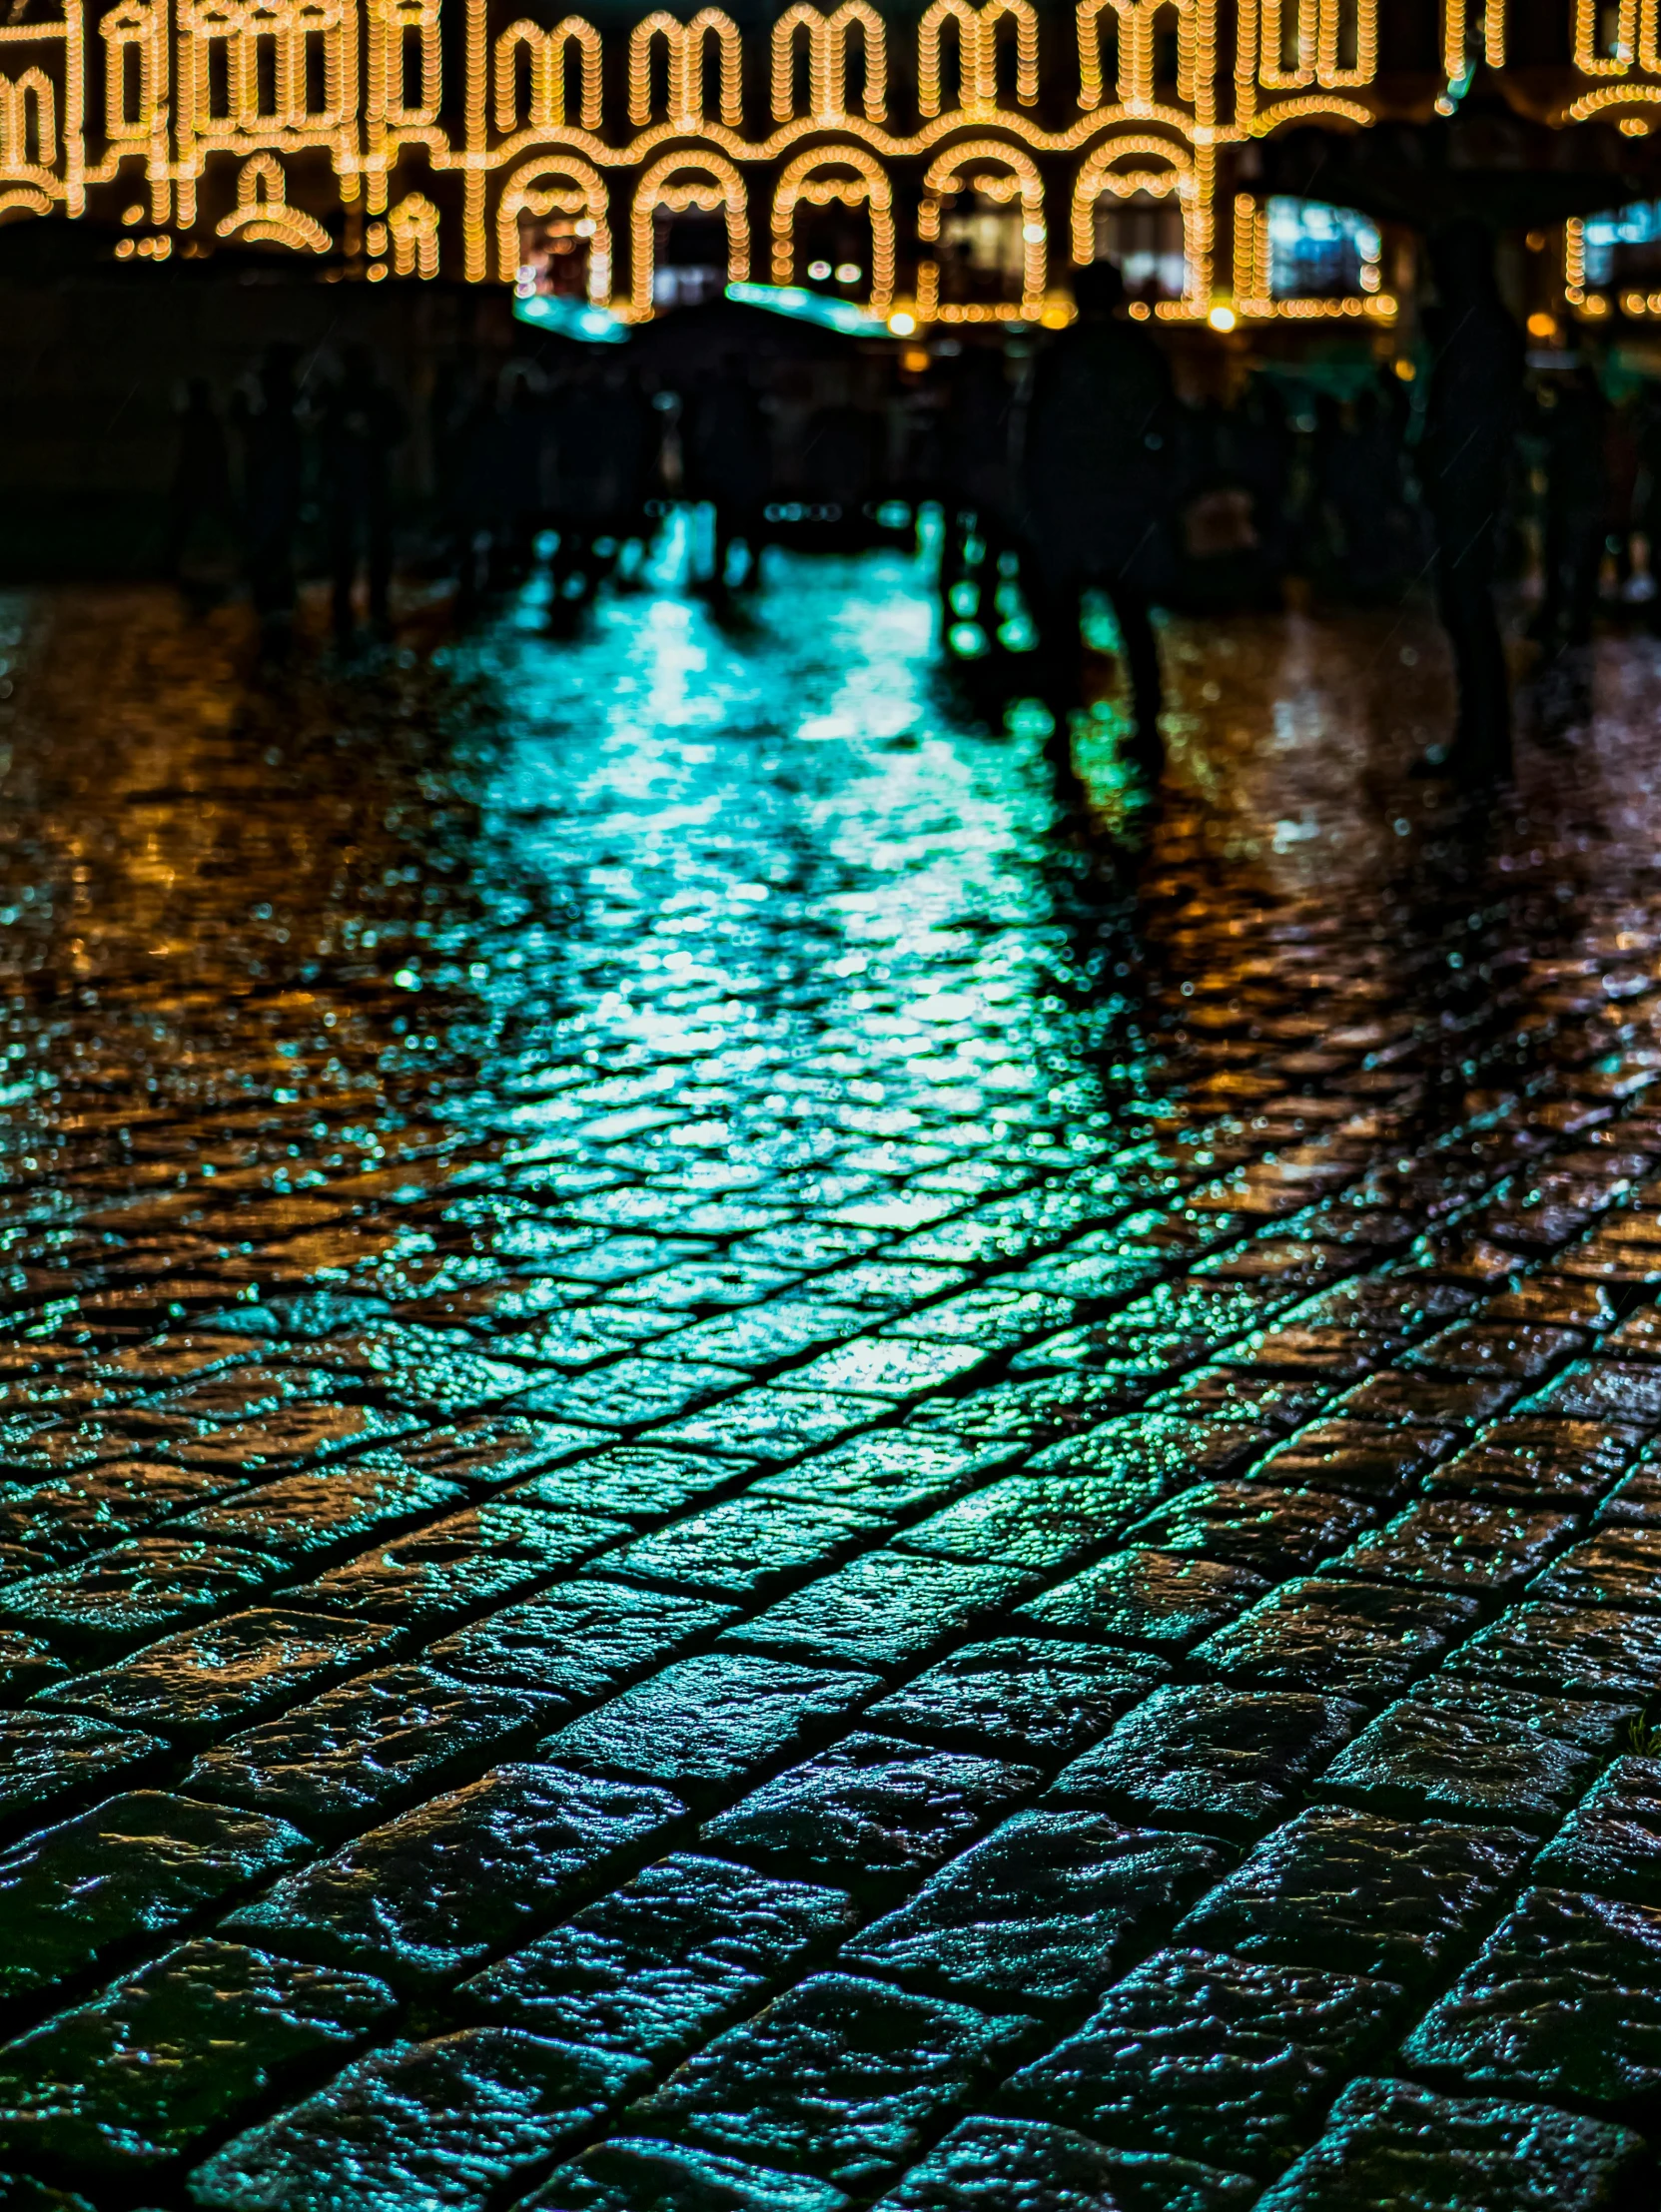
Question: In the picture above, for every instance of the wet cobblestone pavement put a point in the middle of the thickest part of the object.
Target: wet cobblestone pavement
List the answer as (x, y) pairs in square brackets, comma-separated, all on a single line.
[(740, 1477)]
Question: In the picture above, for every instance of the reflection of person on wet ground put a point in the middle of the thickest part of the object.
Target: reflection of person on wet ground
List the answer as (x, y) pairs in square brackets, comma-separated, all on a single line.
[(362, 422), (1098, 496), (273, 469), (200, 493), (729, 461), (1474, 394), (978, 501), (1572, 416)]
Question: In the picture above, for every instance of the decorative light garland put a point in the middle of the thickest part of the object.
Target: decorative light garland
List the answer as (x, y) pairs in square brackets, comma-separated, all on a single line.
[(805, 179), (977, 29), (547, 51), (827, 54), (197, 90), (683, 49), (1588, 20), (720, 191)]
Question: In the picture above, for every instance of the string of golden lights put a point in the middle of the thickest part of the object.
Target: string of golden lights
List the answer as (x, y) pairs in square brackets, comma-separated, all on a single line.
[(187, 85)]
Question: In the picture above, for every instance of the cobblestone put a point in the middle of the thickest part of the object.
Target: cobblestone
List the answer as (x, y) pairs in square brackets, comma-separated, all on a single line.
[(739, 1473)]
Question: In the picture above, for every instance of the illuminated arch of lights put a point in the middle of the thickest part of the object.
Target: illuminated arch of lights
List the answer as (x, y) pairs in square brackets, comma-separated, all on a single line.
[(326, 129), (813, 177), (826, 39), (545, 53), (557, 185), (1099, 174), (1002, 173), (672, 184)]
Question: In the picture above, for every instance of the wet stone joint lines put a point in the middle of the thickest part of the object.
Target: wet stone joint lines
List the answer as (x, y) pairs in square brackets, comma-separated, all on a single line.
[(784, 1581)]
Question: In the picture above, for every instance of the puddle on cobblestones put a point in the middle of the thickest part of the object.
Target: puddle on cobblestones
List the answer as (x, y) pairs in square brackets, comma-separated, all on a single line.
[(738, 1469)]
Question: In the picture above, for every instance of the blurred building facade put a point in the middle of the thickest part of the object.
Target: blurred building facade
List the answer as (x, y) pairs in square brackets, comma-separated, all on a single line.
[(943, 164)]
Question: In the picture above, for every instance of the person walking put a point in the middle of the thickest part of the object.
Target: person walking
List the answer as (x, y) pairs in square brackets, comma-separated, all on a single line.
[(980, 523), (273, 471), (1098, 495), (1573, 419), (729, 463), (199, 498), (361, 423), (1475, 393)]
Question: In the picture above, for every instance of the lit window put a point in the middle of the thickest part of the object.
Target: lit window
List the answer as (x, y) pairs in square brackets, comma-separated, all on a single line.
[(1623, 244), (1320, 253), (1144, 237)]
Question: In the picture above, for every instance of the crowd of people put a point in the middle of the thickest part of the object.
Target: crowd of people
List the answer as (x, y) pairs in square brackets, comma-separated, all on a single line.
[(354, 422), (1071, 472), (291, 476), (1489, 475)]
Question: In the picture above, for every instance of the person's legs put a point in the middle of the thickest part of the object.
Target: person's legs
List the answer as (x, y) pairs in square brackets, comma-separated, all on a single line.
[(181, 512), (343, 566), (726, 530), (379, 548), (1056, 603), (1584, 574), (1555, 561), (754, 531), (1142, 666), (1464, 585), (956, 526)]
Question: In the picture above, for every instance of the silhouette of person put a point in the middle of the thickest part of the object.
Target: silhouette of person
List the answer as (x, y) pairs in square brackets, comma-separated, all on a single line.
[(627, 426), (839, 467), (362, 422), (1361, 474), (728, 463), (977, 486), (524, 435), (1475, 391), (200, 487), (1098, 495), (1575, 426), (273, 471), (582, 467), (470, 447), (1259, 446), (1646, 491)]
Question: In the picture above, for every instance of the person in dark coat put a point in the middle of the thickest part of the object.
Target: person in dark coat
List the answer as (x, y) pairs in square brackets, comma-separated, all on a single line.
[(1099, 496), (361, 423), (626, 424), (525, 433), (1646, 491), (199, 495), (1261, 450), (607, 444), (471, 442), (273, 473), (1475, 393), (1573, 419), (585, 468), (977, 490), (729, 461), (1361, 482)]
